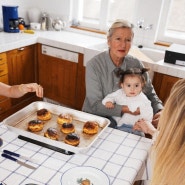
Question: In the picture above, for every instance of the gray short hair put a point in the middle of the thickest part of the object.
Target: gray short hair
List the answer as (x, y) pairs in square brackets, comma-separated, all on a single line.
[(120, 23)]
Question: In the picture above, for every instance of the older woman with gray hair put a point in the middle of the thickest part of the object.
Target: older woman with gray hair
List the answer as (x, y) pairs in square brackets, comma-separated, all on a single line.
[(102, 80)]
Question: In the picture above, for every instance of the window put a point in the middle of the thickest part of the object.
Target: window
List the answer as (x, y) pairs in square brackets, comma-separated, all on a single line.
[(99, 14), (172, 22), (176, 20)]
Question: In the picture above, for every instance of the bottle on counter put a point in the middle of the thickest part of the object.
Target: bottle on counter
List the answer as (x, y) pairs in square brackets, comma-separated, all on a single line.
[(43, 21)]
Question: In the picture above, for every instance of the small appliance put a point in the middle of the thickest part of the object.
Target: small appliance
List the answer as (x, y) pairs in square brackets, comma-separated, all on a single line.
[(175, 55), (10, 19), (45, 21)]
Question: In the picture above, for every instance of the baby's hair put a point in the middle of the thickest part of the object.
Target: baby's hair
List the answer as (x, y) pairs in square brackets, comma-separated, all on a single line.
[(131, 72)]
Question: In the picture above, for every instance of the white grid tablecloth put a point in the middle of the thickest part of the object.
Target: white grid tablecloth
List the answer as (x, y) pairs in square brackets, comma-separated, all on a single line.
[(120, 155)]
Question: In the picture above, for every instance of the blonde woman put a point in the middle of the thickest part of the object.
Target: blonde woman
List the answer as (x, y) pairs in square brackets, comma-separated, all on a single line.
[(168, 152)]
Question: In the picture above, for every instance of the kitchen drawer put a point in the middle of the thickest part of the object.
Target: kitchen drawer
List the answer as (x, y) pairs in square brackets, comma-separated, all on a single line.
[(5, 105), (3, 79), (20, 50), (3, 69), (3, 58)]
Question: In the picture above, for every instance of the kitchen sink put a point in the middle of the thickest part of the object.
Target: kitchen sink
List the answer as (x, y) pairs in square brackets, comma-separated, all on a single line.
[(93, 50), (153, 54), (144, 54), (99, 47)]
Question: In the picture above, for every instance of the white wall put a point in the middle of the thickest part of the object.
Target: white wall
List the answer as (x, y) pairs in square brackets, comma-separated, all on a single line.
[(55, 8), (148, 10)]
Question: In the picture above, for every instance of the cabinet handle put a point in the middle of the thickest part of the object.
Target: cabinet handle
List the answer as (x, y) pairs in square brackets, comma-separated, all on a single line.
[(21, 49)]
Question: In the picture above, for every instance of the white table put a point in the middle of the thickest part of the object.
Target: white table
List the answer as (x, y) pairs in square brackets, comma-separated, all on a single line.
[(120, 155)]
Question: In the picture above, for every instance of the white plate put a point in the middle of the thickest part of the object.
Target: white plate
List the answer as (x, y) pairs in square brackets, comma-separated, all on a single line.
[(73, 175)]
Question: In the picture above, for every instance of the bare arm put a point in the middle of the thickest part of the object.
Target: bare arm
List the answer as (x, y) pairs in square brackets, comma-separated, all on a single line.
[(145, 126), (156, 119), (17, 91)]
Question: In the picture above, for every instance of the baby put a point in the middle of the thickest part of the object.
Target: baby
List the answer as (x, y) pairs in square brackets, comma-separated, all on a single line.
[(132, 82)]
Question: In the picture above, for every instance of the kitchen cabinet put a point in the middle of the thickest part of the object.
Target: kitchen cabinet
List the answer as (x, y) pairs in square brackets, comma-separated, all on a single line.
[(80, 85), (5, 102), (162, 84), (62, 79), (21, 67)]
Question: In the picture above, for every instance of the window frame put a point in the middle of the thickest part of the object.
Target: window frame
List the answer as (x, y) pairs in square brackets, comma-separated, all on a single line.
[(162, 34), (77, 16), (101, 25)]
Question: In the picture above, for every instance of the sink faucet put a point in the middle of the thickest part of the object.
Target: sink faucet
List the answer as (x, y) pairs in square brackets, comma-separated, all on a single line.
[(140, 25), (148, 27)]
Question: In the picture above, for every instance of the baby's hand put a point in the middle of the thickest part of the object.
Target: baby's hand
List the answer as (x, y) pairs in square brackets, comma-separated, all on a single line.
[(109, 105), (145, 126), (136, 112)]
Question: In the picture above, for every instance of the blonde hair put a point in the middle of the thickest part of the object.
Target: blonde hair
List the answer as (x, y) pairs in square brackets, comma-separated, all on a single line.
[(168, 152), (120, 23)]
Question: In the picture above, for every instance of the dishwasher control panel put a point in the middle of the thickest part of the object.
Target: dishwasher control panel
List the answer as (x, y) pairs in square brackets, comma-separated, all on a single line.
[(60, 53)]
